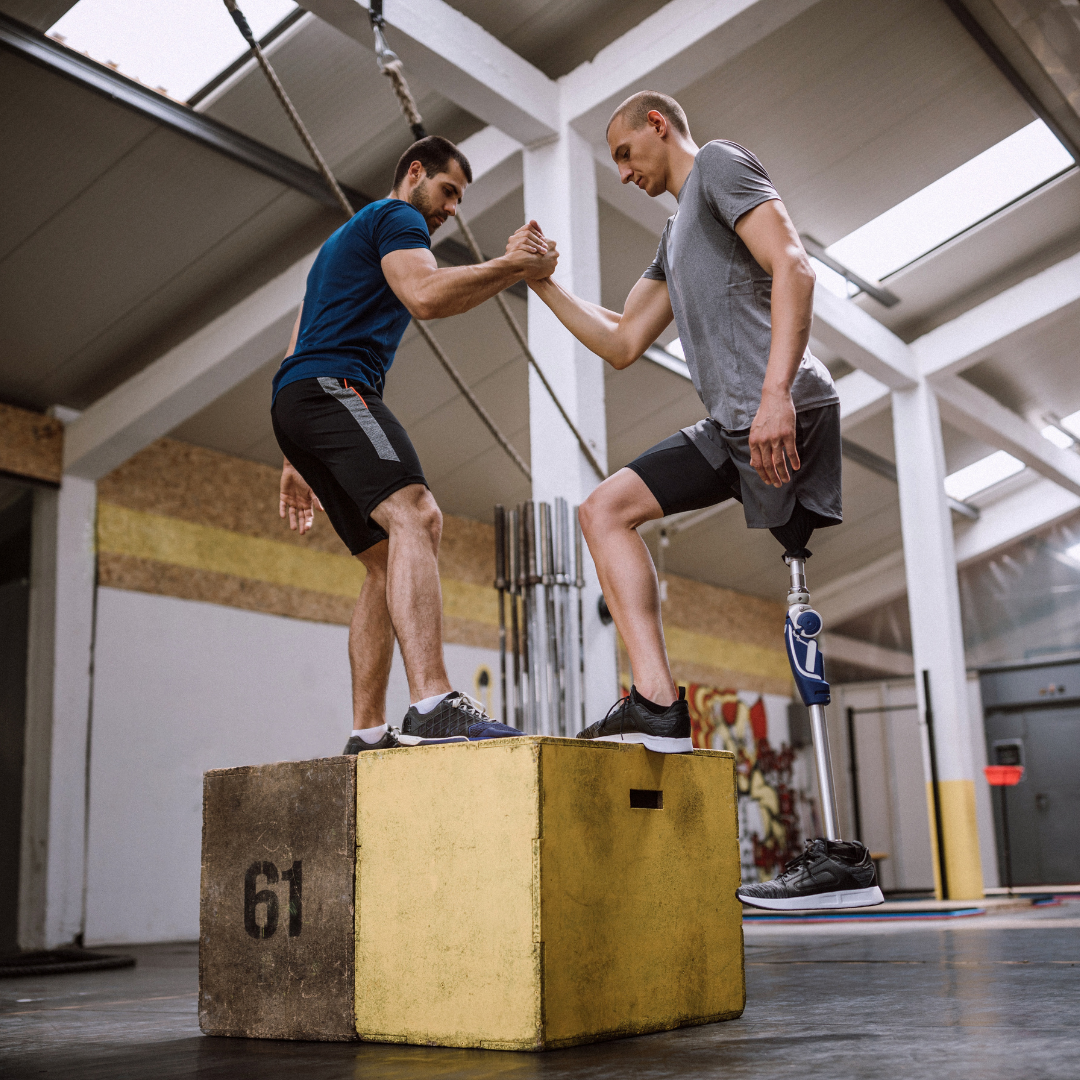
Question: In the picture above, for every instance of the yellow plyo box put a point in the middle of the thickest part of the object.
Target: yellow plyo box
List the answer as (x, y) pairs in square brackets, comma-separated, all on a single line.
[(532, 893)]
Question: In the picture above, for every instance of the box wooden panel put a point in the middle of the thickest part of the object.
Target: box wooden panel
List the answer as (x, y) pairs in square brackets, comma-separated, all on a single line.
[(510, 894), (276, 919)]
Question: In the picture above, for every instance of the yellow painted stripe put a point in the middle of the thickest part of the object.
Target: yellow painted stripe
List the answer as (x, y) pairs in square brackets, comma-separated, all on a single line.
[(122, 531), (715, 652), (204, 547), (963, 863)]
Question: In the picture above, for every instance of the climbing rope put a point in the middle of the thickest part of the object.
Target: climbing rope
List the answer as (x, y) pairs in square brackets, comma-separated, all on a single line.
[(391, 66), (287, 105), (407, 103)]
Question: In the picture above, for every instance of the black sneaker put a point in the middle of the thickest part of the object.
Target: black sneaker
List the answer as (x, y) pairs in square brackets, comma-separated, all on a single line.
[(628, 720), (457, 718), (355, 744), (828, 874)]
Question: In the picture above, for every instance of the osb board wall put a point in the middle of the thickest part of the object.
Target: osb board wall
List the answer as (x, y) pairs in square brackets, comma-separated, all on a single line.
[(31, 445), (211, 519), (184, 521)]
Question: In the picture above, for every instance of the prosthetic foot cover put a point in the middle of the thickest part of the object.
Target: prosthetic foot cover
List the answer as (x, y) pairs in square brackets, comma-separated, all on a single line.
[(828, 874), (807, 664), (629, 720)]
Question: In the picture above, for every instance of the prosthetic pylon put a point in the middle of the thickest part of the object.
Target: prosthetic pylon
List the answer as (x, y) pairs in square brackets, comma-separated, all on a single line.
[(801, 629)]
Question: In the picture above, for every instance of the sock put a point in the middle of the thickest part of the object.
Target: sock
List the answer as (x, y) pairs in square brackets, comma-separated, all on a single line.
[(655, 709), (429, 703), (370, 734)]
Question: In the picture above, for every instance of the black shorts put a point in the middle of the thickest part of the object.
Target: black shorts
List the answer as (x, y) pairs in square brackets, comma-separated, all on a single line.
[(706, 464), (349, 447)]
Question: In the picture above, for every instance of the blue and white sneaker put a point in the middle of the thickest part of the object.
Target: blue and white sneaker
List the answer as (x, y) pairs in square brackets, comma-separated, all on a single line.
[(457, 718)]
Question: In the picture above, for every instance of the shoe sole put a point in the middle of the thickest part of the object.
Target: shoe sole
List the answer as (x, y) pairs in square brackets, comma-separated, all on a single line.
[(658, 744), (845, 898), (416, 740)]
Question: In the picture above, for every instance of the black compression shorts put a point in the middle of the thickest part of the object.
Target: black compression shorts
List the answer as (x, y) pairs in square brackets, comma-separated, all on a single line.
[(681, 477), (349, 447)]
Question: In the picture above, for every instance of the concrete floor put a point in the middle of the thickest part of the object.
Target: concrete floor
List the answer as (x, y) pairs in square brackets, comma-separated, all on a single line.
[(980, 997)]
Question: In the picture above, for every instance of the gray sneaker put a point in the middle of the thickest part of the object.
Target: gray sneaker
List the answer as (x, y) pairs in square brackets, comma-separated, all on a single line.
[(356, 745), (457, 718), (628, 720), (828, 874)]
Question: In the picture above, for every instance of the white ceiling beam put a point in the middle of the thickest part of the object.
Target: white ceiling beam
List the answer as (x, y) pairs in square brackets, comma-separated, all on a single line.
[(669, 50), (866, 655), (460, 59), (861, 340), (861, 396), (186, 379), (1052, 294), (860, 590), (1035, 506), (976, 413), (496, 164)]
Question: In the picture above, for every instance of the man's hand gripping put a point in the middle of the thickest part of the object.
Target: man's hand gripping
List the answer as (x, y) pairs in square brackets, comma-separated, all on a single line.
[(772, 438), (532, 252), (298, 499)]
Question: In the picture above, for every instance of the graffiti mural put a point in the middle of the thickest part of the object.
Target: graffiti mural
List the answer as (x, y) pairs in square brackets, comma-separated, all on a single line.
[(768, 802)]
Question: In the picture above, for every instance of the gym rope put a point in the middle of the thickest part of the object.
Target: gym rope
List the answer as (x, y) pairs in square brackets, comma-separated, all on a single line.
[(346, 206), (390, 65)]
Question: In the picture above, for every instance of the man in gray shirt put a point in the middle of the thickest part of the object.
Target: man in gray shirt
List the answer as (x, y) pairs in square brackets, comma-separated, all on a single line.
[(731, 271)]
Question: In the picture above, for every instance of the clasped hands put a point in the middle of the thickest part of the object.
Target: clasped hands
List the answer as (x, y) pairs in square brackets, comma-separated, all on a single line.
[(532, 252)]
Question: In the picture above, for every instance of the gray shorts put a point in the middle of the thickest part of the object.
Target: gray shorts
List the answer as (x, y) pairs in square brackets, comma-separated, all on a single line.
[(705, 464)]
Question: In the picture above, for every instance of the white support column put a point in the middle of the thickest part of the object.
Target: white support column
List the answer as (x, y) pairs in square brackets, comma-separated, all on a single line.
[(937, 633), (62, 582), (560, 193)]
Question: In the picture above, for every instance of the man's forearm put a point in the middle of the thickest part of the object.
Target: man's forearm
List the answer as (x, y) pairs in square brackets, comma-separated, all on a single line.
[(452, 290), (594, 326), (792, 316)]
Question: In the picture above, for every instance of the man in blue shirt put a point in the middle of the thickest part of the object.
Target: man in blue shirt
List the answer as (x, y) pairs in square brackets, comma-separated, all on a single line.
[(346, 453)]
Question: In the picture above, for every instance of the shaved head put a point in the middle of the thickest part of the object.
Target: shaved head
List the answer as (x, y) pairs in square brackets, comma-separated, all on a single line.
[(634, 111)]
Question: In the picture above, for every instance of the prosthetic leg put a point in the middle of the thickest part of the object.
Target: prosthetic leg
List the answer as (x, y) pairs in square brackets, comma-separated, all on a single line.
[(830, 873), (801, 630)]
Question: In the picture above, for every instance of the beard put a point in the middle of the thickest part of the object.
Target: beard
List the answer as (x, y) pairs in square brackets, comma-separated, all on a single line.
[(420, 198)]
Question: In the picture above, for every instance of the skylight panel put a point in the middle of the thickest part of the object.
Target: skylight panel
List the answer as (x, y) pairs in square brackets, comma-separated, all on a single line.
[(960, 199), (675, 348), (1071, 423), (833, 282), (1057, 437), (981, 475), (174, 46), (1073, 553)]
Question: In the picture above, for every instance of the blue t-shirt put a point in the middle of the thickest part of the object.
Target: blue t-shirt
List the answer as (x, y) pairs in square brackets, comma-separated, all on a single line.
[(352, 321)]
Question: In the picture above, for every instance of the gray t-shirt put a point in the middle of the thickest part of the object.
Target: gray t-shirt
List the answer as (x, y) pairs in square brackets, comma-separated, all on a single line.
[(721, 297)]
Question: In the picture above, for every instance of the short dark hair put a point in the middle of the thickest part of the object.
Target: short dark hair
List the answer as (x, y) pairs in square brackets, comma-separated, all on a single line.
[(435, 153), (636, 108)]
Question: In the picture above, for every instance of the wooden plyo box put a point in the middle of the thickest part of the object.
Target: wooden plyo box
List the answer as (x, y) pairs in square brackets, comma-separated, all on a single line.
[(531, 893), (521, 894), (276, 920)]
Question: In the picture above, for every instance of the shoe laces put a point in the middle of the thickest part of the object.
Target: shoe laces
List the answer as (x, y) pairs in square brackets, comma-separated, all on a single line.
[(620, 706), (471, 705), (808, 854)]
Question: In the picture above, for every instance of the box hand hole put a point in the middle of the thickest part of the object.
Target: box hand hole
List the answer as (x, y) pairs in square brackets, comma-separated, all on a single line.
[(646, 800)]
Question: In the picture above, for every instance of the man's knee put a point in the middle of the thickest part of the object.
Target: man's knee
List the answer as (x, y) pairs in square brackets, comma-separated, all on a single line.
[(623, 501), (412, 509)]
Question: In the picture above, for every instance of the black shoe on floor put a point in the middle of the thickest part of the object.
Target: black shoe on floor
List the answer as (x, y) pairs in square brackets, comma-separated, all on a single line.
[(457, 718), (828, 874), (628, 720), (356, 745)]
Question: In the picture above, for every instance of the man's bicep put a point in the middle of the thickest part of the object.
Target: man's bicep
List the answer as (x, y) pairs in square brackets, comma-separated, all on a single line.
[(646, 313), (768, 233), (406, 269)]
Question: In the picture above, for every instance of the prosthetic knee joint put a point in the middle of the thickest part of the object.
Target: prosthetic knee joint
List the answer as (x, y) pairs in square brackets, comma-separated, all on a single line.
[(801, 630)]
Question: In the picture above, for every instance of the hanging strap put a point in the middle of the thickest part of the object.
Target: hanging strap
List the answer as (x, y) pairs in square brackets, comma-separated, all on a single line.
[(335, 187)]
